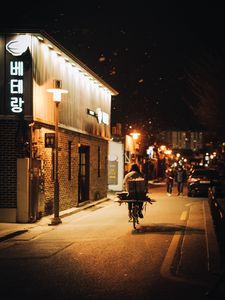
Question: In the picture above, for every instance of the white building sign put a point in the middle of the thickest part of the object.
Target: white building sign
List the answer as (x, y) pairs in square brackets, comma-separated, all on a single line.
[(102, 117), (16, 86), (18, 70)]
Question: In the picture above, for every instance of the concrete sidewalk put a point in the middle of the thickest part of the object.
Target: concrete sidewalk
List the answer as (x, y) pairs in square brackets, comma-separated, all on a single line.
[(10, 230)]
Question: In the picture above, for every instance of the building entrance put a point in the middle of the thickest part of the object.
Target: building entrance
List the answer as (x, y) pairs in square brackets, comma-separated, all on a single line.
[(83, 173)]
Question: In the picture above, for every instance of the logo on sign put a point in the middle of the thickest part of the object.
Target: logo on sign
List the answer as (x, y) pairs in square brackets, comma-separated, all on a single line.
[(101, 116), (18, 46)]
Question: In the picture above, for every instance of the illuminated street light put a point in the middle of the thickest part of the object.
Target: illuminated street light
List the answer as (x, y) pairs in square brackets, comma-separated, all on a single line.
[(135, 135), (57, 92), (178, 156)]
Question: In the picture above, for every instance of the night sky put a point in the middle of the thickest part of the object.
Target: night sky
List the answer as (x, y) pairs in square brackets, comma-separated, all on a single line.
[(165, 59)]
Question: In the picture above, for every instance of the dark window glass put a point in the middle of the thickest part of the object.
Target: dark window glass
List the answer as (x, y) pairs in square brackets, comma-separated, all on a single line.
[(99, 162), (53, 165)]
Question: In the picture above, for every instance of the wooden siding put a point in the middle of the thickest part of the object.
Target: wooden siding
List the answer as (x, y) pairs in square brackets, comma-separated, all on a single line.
[(83, 93)]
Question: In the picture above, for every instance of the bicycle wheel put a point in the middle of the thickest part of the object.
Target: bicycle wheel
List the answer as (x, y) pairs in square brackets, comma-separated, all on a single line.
[(134, 215)]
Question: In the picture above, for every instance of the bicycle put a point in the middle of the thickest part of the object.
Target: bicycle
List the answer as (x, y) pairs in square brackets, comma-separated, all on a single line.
[(125, 197)]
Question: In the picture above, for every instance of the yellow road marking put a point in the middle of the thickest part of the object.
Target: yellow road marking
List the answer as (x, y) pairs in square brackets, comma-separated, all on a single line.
[(183, 216)]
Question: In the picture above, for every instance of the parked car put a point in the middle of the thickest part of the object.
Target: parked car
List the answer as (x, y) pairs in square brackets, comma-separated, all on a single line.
[(216, 198), (200, 180), (196, 167)]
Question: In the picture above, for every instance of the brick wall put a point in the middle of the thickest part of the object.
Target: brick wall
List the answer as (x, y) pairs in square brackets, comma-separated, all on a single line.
[(98, 184), (14, 144), (12, 141), (69, 187)]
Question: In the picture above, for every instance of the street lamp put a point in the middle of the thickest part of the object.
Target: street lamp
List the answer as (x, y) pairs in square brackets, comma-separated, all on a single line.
[(57, 92), (135, 135)]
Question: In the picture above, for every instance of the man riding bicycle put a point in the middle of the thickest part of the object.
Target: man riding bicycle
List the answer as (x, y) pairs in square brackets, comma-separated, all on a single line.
[(134, 184)]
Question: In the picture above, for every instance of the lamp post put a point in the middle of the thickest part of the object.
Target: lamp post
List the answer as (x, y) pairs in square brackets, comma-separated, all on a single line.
[(57, 91), (135, 135)]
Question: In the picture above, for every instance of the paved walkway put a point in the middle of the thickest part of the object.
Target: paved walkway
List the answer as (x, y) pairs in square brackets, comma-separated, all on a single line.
[(9, 230)]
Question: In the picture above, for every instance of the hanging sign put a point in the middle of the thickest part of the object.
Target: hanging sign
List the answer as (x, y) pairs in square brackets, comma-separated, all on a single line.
[(49, 140)]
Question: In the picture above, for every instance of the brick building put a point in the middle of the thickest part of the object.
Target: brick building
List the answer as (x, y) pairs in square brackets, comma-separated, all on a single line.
[(30, 64)]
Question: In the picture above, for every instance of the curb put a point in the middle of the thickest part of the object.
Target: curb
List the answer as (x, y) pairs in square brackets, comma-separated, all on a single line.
[(82, 207), (12, 234), (45, 220)]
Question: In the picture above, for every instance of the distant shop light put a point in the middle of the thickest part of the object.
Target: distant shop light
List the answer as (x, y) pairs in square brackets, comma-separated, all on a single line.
[(149, 151), (135, 135)]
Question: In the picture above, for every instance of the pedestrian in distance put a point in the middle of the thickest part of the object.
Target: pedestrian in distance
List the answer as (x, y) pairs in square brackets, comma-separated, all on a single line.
[(146, 171), (169, 180), (181, 176)]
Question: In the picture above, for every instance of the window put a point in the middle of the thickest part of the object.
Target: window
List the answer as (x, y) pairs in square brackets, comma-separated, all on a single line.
[(53, 165), (99, 162)]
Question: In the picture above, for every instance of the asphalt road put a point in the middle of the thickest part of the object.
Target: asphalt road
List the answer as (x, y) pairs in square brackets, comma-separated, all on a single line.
[(96, 254)]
